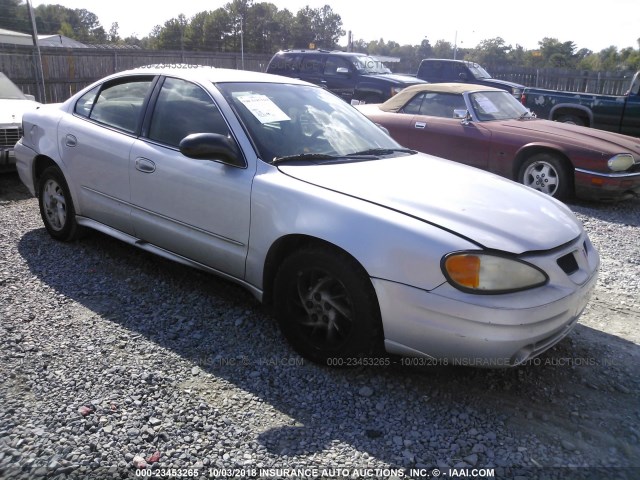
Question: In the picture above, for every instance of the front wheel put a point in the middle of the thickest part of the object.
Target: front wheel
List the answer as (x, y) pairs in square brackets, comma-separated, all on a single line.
[(56, 206), (547, 174), (326, 306)]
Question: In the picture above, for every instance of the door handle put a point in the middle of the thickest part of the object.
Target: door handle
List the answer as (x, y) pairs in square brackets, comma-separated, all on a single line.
[(70, 140), (145, 165), (420, 125)]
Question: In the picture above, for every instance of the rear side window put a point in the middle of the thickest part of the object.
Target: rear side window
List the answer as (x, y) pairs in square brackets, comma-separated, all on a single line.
[(432, 70), (288, 64), (312, 64), (117, 105)]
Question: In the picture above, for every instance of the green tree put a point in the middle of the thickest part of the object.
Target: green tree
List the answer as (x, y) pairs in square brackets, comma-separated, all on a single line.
[(172, 34), (492, 51), (442, 49), (14, 16)]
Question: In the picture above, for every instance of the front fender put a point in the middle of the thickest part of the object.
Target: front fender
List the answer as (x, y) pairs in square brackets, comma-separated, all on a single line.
[(388, 244)]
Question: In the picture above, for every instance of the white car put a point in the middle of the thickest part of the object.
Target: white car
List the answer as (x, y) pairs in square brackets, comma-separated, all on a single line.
[(13, 104), (358, 244)]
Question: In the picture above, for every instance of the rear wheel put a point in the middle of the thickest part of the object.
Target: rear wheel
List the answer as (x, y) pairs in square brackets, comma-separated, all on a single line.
[(56, 206), (326, 306), (547, 174)]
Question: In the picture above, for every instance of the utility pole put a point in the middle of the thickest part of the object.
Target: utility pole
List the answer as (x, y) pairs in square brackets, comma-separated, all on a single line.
[(42, 95), (242, 42)]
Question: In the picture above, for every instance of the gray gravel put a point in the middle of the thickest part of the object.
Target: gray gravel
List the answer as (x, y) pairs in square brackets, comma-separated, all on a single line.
[(113, 360)]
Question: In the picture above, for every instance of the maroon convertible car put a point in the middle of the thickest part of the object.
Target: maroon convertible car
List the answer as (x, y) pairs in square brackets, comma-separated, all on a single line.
[(488, 128)]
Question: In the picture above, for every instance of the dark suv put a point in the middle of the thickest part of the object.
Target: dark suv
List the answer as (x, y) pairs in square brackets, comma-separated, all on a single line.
[(438, 70), (352, 76)]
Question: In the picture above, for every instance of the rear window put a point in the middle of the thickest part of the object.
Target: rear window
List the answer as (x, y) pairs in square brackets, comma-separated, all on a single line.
[(285, 64)]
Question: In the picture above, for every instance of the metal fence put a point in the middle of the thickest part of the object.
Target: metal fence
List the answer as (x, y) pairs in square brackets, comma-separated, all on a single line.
[(66, 70)]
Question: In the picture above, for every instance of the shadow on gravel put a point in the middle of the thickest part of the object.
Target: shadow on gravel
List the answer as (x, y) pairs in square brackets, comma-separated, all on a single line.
[(578, 398), (11, 188)]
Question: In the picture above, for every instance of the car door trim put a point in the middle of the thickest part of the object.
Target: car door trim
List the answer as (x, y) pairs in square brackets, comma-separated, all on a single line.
[(169, 219)]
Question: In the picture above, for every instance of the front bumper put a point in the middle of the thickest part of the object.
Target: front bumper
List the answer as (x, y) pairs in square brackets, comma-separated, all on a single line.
[(606, 186), (25, 157), (488, 330)]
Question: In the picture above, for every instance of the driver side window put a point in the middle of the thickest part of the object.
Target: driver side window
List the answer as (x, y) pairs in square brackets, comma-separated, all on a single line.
[(184, 108)]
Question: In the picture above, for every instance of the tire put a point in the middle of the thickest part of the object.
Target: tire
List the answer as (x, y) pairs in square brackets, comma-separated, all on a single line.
[(56, 206), (547, 174), (326, 307), (571, 119)]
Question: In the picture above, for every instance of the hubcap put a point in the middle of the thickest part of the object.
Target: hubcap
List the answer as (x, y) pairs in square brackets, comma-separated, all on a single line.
[(541, 176), (324, 308), (55, 206)]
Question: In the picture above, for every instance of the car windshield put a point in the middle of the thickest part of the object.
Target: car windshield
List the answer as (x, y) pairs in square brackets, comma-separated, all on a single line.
[(285, 120), (497, 106), (369, 65), (8, 90), (478, 72)]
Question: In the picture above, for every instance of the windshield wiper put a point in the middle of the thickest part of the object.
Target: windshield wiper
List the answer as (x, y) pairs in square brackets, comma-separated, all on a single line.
[(382, 151), (303, 156)]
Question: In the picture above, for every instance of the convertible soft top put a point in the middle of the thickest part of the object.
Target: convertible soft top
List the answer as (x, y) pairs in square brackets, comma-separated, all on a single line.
[(399, 100)]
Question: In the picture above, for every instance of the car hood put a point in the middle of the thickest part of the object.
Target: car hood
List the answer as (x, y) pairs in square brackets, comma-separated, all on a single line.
[(584, 137), (491, 211), (11, 110), (397, 78), (499, 83)]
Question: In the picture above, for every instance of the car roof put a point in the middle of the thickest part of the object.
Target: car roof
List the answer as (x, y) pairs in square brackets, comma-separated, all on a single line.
[(205, 73), (325, 52), (399, 100)]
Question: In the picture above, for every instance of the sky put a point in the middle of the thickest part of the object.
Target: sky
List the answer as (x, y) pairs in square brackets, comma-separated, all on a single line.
[(463, 22)]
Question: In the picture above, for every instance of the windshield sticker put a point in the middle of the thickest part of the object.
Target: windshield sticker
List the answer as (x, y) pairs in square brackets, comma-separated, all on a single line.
[(263, 108), (486, 105)]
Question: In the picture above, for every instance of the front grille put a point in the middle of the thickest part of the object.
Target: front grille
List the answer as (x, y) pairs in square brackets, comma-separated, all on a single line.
[(9, 136), (568, 263)]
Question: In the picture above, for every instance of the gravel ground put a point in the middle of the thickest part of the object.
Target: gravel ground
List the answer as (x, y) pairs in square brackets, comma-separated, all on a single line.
[(113, 359)]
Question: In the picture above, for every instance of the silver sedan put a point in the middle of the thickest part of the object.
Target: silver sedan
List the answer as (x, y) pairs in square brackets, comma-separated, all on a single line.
[(361, 246)]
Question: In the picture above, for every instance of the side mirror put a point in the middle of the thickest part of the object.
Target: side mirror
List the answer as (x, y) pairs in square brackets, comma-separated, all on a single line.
[(342, 70), (463, 76), (211, 146), (462, 114)]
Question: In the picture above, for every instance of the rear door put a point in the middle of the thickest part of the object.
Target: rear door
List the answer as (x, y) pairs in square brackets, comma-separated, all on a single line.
[(95, 144)]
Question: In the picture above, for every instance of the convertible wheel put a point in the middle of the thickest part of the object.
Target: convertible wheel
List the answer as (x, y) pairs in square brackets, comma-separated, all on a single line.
[(56, 207), (547, 174), (326, 307)]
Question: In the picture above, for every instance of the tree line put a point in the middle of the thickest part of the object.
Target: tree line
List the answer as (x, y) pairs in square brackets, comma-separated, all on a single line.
[(263, 28)]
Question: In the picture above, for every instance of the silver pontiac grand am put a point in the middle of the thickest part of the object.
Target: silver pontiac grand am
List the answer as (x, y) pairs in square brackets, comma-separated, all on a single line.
[(359, 245)]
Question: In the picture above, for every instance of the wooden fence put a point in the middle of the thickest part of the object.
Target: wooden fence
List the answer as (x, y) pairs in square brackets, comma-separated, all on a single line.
[(66, 71)]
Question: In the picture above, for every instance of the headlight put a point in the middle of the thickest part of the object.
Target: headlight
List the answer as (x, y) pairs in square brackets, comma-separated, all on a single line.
[(620, 162), (476, 272)]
